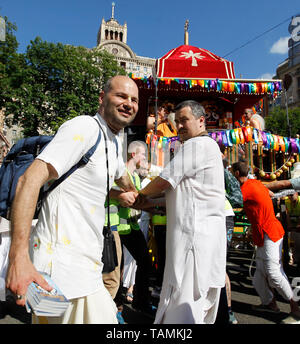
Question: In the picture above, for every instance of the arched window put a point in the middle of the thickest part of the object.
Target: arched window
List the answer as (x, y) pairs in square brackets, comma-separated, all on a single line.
[(121, 36), (106, 34)]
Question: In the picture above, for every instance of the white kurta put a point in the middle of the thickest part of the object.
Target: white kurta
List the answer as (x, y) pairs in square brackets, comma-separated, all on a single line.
[(68, 240), (195, 221)]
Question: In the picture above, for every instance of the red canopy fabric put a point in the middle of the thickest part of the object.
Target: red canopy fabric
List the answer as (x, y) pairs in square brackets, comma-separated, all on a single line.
[(187, 61)]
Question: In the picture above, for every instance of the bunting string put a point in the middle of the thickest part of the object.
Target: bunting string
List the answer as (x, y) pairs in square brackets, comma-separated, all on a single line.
[(214, 85)]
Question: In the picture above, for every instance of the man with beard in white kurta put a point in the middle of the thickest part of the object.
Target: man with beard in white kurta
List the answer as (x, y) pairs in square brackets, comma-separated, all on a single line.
[(68, 239), (196, 233)]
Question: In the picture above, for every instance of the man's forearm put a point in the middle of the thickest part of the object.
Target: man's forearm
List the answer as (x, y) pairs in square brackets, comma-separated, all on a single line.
[(155, 202), (144, 203), (114, 193), (156, 187), (278, 185), (22, 213), (126, 198), (125, 183)]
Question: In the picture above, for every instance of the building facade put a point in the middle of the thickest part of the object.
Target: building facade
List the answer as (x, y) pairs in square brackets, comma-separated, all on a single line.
[(112, 37), (289, 69)]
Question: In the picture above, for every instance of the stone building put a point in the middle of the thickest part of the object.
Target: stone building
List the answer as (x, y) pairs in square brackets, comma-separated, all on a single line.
[(112, 37), (289, 69)]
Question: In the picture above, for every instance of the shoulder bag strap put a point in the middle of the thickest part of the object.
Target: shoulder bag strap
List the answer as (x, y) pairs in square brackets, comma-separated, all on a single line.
[(107, 229)]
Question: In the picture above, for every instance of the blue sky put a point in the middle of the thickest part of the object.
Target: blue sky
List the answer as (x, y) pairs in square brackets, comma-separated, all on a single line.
[(157, 26)]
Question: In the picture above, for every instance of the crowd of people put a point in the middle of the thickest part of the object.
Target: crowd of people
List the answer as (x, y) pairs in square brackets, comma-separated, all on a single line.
[(186, 212)]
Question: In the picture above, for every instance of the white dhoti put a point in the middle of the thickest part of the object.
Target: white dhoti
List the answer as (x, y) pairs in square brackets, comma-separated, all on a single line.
[(129, 269), (97, 308), (178, 306)]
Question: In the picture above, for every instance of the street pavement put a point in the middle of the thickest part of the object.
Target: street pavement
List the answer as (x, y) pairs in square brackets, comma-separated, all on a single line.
[(243, 297), (240, 271)]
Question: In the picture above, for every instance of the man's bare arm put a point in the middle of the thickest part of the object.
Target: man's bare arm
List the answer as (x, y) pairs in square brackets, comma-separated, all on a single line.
[(278, 185), (125, 183), (146, 203), (126, 198), (156, 187), (125, 193), (21, 271)]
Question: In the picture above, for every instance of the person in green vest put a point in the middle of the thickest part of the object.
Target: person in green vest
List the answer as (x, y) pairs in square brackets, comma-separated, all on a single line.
[(293, 220), (129, 268), (159, 223), (132, 237), (112, 279)]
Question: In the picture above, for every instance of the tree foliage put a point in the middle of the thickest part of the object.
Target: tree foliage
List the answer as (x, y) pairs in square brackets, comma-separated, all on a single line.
[(11, 65), (276, 122), (54, 82)]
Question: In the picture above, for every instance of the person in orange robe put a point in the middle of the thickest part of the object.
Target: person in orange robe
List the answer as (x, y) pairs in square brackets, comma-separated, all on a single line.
[(165, 127)]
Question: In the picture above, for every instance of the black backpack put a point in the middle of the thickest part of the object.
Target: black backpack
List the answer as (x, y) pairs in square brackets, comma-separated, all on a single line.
[(19, 158)]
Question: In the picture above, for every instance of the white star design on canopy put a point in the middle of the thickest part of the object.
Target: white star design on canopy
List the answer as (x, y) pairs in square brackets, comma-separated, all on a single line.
[(192, 55)]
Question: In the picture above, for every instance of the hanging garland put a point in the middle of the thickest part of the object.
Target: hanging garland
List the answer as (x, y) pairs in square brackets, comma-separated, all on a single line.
[(268, 141), (233, 137), (243, 135), (276, 173), (249, 134), (216, 85)]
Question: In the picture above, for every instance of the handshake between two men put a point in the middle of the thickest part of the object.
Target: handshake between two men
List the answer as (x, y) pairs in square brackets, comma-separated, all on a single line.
[(135, 200)]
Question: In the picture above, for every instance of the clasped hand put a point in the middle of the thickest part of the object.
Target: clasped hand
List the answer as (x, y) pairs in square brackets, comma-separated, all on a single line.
[(134, 200), (127, 199)]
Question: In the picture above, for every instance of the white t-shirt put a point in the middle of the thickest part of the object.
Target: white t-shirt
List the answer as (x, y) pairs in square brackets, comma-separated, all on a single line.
[(68, 241), (196, 215)]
